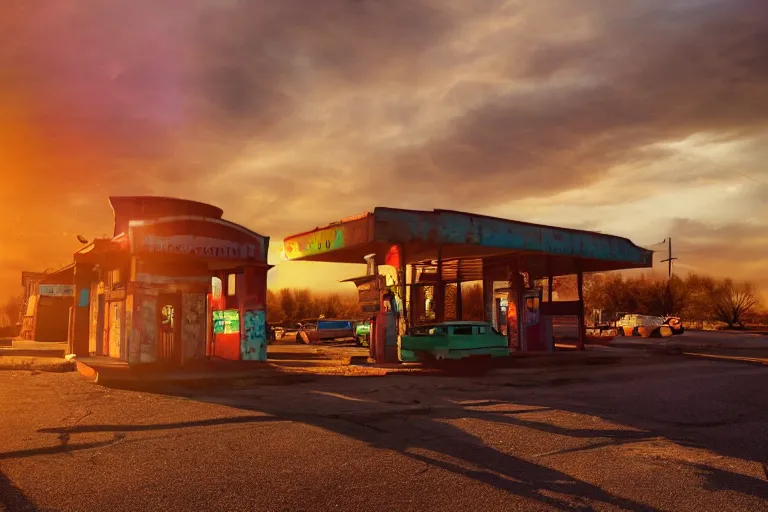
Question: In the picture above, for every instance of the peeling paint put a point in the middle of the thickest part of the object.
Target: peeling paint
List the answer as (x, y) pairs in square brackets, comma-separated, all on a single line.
[(131, 341), (193, 325), (147, 314)]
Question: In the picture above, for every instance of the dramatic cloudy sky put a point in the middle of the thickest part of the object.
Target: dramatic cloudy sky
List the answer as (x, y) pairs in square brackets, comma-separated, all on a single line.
[(644, 118)]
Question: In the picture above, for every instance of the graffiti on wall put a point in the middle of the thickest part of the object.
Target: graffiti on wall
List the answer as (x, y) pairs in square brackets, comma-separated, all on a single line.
[(253, 342), (147, 317), (320, 241), (226, 322), (193, 325), (327, 239)]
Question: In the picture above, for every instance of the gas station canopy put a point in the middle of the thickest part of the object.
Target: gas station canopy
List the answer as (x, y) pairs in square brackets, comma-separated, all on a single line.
[(470, 246)]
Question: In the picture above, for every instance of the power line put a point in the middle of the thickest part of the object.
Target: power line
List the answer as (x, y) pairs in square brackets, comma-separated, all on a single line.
[(669, 255), (669, 260)]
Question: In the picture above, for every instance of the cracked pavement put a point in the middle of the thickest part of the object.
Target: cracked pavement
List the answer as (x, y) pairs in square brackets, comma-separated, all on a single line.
[(682, 435)]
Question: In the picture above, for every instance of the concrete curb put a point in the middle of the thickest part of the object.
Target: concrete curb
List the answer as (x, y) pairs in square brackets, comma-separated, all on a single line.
[(22, 364), (31, 352)]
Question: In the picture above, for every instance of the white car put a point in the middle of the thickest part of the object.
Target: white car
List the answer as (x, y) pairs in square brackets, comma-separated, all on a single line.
[(642, 325)]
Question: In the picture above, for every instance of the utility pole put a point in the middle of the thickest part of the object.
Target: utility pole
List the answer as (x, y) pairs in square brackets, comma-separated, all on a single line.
[(669, 273)]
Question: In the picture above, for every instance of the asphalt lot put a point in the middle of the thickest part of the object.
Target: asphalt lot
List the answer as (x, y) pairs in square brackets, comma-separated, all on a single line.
[(678, 435)]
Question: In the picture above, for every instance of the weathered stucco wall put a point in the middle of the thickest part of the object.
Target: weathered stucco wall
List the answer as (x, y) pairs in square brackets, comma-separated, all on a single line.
[(146, 325), (193, 325), (128, 338)]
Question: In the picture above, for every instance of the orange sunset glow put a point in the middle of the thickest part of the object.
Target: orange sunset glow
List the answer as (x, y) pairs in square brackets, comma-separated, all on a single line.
[(641, 119)]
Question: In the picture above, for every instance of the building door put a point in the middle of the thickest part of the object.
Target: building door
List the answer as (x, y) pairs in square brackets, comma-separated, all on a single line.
[(98, 340), (169, 329), (116, 311)]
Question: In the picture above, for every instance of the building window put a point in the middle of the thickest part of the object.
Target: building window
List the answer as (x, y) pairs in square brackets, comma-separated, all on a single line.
[(216, 286), (113, 279), (231, 284)]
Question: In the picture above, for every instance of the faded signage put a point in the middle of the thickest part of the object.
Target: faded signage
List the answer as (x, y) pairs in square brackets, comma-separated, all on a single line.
[(146, 278), (197, 246), (57, 290)]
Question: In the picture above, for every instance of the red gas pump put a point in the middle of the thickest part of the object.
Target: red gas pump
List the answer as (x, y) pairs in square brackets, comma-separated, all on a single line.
[(534, 337)]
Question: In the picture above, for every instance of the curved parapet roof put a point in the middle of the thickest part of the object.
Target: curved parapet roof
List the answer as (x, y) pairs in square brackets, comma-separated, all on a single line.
[(128, 208)]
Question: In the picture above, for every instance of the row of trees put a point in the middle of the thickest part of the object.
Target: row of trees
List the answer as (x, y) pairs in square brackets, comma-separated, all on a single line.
[(696, 298), (289, 306)]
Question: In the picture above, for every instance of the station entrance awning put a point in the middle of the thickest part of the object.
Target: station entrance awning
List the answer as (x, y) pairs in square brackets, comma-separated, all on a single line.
[(469, 246)]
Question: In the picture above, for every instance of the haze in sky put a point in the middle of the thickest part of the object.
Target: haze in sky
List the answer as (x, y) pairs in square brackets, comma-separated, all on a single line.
[(641, 118)]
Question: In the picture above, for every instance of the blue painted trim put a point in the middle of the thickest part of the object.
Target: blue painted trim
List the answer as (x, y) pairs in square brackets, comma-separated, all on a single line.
[(449, 227)]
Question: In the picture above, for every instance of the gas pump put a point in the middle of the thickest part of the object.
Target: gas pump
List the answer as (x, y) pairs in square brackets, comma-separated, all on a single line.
[(534, 338), (380, 306)]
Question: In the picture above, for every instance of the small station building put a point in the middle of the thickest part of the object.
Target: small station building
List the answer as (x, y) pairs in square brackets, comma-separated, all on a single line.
[(48, 298), (175, 283), (434, 251)]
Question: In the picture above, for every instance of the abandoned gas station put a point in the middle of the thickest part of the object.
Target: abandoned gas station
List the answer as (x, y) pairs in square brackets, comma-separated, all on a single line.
[(431, 251), (176, 283)]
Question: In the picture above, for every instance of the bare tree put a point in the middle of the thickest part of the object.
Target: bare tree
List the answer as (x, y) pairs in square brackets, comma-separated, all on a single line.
[(10, 312), (732, 301)]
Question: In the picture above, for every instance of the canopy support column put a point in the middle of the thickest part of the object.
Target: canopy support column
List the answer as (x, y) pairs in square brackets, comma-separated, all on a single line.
[(580, 287)]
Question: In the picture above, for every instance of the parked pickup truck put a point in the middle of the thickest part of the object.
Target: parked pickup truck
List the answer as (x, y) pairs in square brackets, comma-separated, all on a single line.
[(315, 331), (451, 340)]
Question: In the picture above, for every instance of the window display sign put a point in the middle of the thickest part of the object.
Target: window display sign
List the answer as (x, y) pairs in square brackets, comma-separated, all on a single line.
[(226, 322)]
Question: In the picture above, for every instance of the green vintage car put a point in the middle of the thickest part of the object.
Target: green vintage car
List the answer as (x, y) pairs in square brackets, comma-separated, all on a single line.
[(451, 340)]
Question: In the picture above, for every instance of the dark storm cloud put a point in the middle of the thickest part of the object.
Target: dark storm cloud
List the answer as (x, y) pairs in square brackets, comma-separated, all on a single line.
[(651, 72), (133, 79)]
